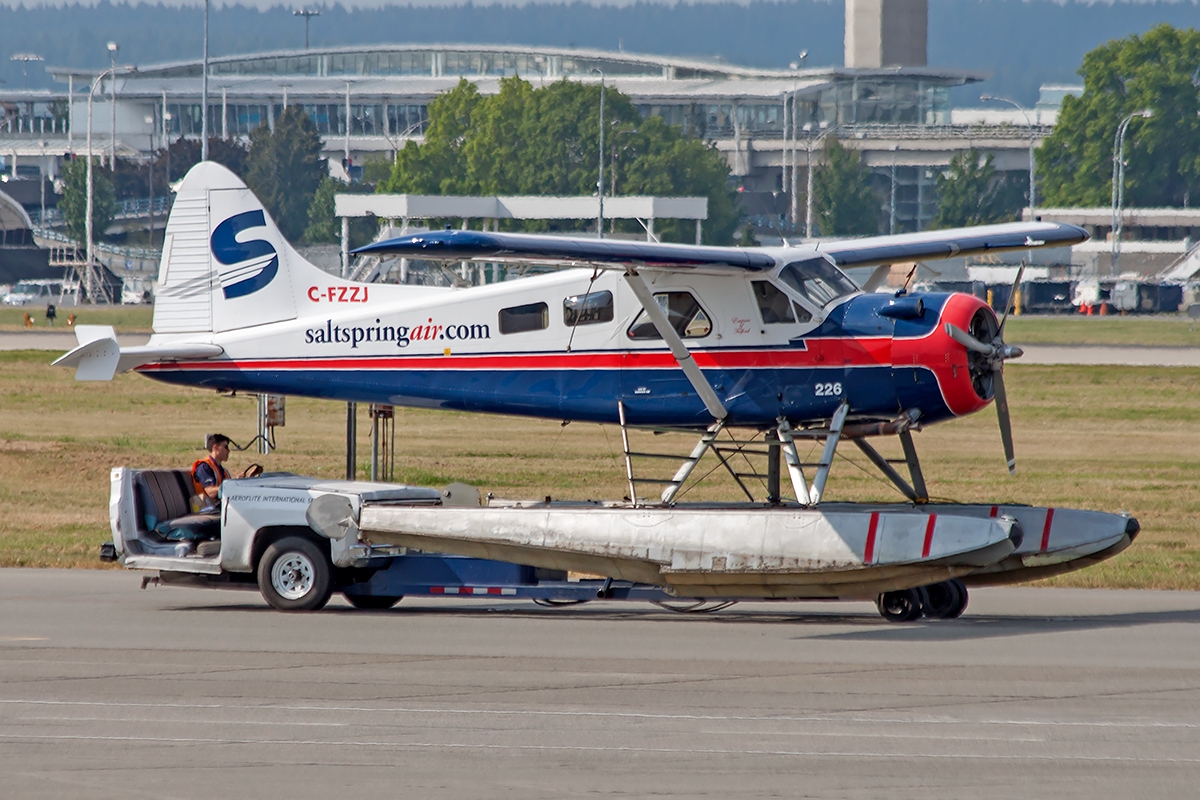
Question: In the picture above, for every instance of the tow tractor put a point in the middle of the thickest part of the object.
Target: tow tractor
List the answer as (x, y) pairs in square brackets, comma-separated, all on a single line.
[(262, 539), (299, 540)]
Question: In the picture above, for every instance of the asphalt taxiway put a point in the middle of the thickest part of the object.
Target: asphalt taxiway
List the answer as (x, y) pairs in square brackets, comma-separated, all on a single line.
[(107, 691)]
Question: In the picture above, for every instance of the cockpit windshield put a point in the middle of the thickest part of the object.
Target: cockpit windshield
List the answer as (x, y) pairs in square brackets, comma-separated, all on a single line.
[(817, 280)]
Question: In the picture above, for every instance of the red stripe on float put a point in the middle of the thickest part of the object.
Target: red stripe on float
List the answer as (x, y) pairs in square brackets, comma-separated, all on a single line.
[(928, 536), (1046, 529), (493, 590), (437, 589), (869, 552), (995, 512)]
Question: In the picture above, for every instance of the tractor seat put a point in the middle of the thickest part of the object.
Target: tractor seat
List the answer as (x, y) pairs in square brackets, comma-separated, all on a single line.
[(164, 508)]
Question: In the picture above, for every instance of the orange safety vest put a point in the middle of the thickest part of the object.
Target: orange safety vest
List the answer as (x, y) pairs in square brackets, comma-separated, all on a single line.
[(217, 469)]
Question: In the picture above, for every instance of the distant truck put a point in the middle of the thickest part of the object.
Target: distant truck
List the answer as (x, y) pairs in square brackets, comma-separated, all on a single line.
[(261, 539)]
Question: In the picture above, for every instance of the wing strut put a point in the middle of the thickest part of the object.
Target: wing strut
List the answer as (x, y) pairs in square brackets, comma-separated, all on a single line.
[(678, 349)]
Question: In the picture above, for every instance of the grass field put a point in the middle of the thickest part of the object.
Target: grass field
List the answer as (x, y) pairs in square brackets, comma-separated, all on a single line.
[(1169, 330), (125, 319), (1087, 437)]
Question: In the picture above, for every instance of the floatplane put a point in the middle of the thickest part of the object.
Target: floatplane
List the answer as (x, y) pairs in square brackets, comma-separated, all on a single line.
[(777, 343)]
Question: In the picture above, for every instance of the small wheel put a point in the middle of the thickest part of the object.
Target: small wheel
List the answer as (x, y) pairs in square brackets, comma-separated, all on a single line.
[(371, 602), (942, 600), (900, 606), (963, 599), (294, 575)]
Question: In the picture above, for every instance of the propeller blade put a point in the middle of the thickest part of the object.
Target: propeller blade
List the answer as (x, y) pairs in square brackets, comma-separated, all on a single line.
[(968, 341), (1012, 296), (1001, 396)]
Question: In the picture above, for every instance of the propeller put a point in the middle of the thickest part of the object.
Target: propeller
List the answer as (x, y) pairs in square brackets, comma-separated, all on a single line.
[(992, 352)]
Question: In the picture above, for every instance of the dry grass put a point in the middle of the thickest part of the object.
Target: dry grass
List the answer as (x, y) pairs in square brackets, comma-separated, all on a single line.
[(1170, 330), (1087, 437)]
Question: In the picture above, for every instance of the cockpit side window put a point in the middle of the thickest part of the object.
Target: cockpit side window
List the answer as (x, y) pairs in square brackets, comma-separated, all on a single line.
[(775, 306), (683, 312), (817, 280)]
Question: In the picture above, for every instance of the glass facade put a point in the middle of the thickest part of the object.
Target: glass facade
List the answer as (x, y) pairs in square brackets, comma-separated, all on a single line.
[(366, 119)]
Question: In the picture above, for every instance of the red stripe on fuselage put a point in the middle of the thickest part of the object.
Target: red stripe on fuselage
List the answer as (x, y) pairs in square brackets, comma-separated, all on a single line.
[(870, 353)]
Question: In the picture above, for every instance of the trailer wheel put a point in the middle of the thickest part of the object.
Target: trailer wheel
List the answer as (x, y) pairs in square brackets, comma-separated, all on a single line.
[(900, 606), (294, 575), (371, 602)]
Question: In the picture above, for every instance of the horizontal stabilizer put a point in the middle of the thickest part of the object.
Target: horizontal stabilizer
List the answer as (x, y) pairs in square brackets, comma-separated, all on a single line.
[(558, 250), (98, 356)]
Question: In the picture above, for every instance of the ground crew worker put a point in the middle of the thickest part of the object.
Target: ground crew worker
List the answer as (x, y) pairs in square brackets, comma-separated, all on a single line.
[(209, 473)]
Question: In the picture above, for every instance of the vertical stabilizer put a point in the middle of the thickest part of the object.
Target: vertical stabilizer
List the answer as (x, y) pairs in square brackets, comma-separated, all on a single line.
[(225, 264)]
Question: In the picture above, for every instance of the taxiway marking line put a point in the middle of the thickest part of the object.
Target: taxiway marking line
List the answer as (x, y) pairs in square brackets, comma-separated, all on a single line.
[(869, 720), (595, 748)]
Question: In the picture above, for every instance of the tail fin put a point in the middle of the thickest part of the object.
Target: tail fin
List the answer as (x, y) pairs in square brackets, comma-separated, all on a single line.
[(225, 264)]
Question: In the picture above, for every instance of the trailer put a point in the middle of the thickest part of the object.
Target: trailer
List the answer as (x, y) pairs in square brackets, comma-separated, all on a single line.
[(298, 540)]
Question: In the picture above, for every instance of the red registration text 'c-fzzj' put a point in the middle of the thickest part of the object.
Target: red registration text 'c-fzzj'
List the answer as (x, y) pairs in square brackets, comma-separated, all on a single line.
[(338, 294)]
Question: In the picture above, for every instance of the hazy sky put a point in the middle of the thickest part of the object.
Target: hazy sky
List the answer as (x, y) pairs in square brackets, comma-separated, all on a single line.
[(350, 4)]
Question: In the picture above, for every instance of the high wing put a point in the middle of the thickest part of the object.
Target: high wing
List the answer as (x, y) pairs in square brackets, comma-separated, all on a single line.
[(559, 250), (952, 243), (620, 254)]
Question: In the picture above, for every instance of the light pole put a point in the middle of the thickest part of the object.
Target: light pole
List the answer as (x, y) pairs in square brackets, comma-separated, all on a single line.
[(204, 93), (1118, 183), (113, 49), (150, 168), (985, 98), (307, 14), (600, 179), (808, 192), (88, 221), (25, 58)]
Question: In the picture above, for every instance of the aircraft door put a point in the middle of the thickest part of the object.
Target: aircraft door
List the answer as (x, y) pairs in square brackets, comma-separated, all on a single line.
[(652, 383)]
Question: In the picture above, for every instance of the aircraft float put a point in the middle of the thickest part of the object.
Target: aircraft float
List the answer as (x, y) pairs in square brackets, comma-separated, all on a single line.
[(772, 342)]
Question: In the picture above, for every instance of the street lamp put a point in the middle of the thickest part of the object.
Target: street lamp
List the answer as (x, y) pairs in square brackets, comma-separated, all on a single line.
[(25, 58), (808, 198), (88, 221), (600, 180), (306, 13), (150, 168), (204, 93), (113, 49), (1118, 183), (987, 97)]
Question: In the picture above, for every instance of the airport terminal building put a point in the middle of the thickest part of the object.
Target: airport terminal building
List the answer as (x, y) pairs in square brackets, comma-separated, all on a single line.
[(368, 101)]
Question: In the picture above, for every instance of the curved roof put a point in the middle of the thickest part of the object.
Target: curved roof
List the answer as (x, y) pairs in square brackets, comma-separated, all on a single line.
[(12, 214), (476, 60)]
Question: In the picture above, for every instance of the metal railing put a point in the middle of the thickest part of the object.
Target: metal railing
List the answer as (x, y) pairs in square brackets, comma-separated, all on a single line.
[(142, 259), (126, 209)]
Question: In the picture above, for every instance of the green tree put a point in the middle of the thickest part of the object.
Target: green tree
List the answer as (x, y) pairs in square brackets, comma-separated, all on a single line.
[(73, 204), (844, 203), (323, 223), (284, 168), (971, 192), (1156, 71), (545, 141)]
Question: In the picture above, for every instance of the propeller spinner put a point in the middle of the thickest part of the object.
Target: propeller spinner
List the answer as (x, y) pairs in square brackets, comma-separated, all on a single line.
[(988, 352)]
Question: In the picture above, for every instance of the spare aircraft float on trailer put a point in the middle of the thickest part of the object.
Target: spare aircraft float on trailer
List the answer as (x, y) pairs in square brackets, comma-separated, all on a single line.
[(778, 341)]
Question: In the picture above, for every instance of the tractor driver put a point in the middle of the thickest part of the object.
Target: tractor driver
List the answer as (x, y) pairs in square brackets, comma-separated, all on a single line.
[(209, 472)]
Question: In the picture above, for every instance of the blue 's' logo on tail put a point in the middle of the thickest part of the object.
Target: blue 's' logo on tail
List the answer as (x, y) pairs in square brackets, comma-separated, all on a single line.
[(253, 264)]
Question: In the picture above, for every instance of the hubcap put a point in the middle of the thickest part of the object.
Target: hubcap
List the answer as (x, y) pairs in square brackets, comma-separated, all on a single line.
[(292, 576)]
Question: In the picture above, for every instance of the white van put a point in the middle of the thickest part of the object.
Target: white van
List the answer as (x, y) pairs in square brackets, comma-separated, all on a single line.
[(39, 292)]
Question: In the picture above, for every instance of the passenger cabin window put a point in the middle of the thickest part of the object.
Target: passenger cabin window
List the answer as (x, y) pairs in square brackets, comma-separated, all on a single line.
[(588, 309), (775, 306), (518, 319), (817, 280), (683, 312)]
